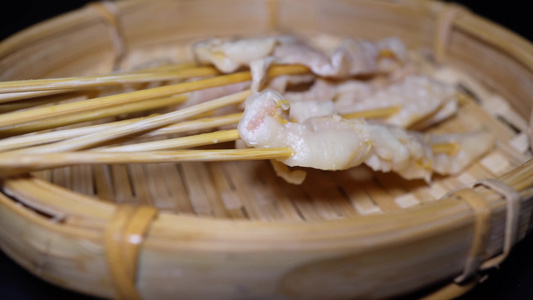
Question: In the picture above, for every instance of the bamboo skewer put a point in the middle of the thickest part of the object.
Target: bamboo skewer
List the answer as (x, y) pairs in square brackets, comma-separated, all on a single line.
[(449, 148), (92, 115), (16, 118), (176, 143), (48, 137), (199, 124), (32, 103), (168, 67), (9, 97), (39, 85), (20, 164), (140, 126), (54, 136), (194, 125), (225, 136), (373, 113)]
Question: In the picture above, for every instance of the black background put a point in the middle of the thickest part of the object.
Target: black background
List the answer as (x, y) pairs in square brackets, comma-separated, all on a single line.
[(513, 280)]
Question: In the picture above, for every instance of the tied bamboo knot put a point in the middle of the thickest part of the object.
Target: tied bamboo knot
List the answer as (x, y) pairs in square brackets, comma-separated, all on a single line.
[(123, 237)]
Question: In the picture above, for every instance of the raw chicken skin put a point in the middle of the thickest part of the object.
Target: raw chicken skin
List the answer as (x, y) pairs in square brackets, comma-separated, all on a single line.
[(416, 98), (334, 143), (350, 58), (264, 124)]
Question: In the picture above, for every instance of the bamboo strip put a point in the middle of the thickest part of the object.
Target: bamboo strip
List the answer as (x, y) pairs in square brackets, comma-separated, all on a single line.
[(53, 136), (15, 101), (16, 118), (23, 163), (304, 204), (330, 202), (382, 199), (200, 174), (374, 113), (226, 190), (38, 85), (242, 176), (92, 115), (449, 148), (122, 184), (177, 143), (155, 179), (277, 188), (27, 141), (180, 193), (196, 125), (176, 189), (61, 177), (82, 180), (140, 126), (140, 183), (197, 188), (168, 67), (12, 97), (103, 183)]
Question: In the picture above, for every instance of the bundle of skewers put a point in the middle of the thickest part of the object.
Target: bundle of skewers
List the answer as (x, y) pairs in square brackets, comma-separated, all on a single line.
[(329, 108)]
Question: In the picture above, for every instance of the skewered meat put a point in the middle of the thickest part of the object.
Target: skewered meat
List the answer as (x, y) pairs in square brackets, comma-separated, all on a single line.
[(334, 143), (350, 58)]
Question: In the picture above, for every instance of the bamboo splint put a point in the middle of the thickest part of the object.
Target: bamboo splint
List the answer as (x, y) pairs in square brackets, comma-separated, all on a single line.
[(43, 85), (25, 163), (210, 122), (129, 195), (16, 118)]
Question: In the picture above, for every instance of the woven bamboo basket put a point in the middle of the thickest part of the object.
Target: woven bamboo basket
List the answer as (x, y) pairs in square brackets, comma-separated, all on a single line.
[(232, 229)]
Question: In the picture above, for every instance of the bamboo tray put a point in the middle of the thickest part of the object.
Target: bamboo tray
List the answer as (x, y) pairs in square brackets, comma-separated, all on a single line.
[(233, 229)]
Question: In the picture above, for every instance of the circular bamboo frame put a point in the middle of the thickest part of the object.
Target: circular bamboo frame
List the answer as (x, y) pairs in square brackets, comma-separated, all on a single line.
[(93, 247)]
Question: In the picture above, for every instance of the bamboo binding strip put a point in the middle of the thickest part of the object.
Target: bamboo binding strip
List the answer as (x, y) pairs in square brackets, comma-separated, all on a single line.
[(123, 237), (482, 213), (512, 199)]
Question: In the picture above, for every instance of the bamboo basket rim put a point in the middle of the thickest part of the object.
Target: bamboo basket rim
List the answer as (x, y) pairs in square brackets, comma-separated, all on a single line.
[(221, 232)]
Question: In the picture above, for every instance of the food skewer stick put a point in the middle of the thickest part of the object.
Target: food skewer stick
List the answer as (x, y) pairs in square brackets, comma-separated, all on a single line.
[(91, 115), (195, 140), (32, 103), (373, 113), (82, 82), (167, 67), (55, 136), (193, 125), (219, 137), (100, 81), (20, 117), (143, 125), (178, 143), (24, 163), (449, 148), (11, 97)]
